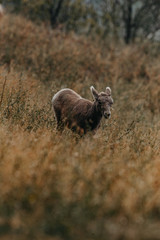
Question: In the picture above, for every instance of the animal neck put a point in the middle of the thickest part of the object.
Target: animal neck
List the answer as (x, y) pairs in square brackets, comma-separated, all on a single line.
[(95, 116), (95, 109)]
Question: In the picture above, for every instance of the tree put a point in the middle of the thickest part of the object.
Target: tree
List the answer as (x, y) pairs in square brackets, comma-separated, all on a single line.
[(55, 11), (130, 18), (71, 14)]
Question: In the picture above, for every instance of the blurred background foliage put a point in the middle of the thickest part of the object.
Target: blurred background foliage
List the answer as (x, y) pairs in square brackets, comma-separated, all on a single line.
[(119, 19)]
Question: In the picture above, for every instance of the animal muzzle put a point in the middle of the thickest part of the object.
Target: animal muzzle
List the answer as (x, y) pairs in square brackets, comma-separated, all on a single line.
[(107, 115)]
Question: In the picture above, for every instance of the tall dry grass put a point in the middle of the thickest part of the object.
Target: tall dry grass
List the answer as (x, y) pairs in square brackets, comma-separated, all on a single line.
[(60, 186)]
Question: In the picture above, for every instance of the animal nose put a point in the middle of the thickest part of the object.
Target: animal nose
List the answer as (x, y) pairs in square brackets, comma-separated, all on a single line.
[(107, 115)]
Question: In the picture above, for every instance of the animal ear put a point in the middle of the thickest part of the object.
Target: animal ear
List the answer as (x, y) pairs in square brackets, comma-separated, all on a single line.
[(94, 92), (108, 90)]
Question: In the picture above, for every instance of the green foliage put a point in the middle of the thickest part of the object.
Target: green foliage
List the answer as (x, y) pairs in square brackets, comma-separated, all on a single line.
[(129, 19), (115, 19), (69, 15)]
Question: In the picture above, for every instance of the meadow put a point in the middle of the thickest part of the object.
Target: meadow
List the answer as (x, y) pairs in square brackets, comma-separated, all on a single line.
[(60, 186)]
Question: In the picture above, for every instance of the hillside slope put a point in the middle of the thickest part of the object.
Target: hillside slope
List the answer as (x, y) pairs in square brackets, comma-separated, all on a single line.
[(59, 186)]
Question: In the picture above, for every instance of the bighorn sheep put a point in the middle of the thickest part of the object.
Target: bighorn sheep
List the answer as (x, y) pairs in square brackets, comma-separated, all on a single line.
[(80, 114)]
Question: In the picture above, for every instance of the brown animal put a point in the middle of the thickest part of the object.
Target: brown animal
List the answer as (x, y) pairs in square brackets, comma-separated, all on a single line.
[(80, 114)]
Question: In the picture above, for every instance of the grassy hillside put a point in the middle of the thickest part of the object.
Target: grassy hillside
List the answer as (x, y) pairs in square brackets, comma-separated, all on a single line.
[(59, 186)]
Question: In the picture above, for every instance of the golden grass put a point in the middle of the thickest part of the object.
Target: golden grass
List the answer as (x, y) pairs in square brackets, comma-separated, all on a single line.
[(59, 186)]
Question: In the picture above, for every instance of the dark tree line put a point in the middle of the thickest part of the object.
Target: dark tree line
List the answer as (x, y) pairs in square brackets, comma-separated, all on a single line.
[(127, 19)]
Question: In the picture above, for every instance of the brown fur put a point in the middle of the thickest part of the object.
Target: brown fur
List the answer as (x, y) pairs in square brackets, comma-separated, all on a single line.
[(77, 113)]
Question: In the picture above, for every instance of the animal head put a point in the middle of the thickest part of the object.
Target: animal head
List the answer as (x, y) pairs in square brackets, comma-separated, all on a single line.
[(103, 101)]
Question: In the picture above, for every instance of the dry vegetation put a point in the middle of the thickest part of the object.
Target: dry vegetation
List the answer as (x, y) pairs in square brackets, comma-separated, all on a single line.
[(52, 186)]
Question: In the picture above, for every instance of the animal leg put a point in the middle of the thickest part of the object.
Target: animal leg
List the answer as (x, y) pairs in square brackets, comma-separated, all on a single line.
[(60, 124)]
